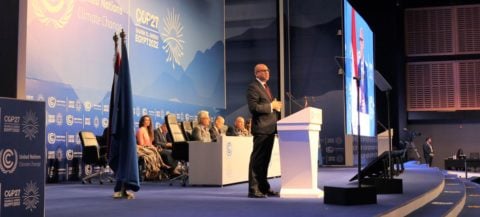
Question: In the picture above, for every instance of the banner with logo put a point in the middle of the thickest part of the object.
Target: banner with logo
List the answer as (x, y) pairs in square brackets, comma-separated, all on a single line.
[(176, 56), (22, 157)]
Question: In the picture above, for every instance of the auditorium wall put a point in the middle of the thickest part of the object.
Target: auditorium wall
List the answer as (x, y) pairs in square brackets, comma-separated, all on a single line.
[(447, 138)]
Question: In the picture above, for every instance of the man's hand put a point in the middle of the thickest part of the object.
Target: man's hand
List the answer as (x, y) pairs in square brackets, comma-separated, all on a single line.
[(276, 105)]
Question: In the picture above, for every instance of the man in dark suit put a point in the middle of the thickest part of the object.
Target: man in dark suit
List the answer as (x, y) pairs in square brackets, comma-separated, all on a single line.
[(165, 147), (218, 129), (428, 151), (263, 108)]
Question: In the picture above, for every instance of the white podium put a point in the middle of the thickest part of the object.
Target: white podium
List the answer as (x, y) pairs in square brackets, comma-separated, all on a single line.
[(298, 143)]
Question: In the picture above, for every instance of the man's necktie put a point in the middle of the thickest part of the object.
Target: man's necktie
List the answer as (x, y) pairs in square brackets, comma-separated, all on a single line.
[(268, 91)]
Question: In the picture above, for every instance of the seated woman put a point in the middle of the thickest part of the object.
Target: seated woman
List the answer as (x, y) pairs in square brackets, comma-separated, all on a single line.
[(145, 149)]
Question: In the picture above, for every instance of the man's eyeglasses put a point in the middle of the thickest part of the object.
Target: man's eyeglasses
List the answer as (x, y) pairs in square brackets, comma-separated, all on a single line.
[(264, 70)]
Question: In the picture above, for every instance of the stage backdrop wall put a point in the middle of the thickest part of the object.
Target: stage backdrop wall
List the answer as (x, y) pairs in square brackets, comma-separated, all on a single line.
[(315, 48), (176, 55), (251, 37), (22, 157)]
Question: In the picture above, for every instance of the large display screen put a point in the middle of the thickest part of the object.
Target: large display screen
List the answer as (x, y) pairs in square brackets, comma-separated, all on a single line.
[(359, 74)]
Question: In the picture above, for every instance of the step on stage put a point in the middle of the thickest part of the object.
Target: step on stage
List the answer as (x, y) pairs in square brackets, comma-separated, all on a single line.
[(160, 199)]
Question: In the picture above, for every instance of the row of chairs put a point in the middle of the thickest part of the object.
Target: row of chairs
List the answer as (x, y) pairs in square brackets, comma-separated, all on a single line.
[(178, 135), (95, 154), (187, 128)]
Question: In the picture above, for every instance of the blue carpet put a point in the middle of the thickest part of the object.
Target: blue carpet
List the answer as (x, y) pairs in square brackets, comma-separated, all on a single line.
[(472, 203), (159, 199), (450, 197)]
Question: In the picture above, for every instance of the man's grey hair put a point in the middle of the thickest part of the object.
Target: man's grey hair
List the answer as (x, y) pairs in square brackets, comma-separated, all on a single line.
[(201, 114)]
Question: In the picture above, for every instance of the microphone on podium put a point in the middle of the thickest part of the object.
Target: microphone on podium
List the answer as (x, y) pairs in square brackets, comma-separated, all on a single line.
[(292, 99)]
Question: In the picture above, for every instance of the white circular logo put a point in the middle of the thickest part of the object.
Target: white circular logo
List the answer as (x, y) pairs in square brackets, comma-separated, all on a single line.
[(69, 120), (8, 161), (88, 106), (69, 154), (52, 102), (104, 122), (52, 137)]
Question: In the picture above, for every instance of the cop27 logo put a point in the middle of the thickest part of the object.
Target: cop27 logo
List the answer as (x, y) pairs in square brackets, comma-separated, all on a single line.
[(30, 125), (172, 37), (31, 196), (8, 160)]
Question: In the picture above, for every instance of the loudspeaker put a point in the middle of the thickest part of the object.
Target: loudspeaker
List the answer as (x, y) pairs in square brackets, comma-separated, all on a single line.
[(350, 195), (385, 186)]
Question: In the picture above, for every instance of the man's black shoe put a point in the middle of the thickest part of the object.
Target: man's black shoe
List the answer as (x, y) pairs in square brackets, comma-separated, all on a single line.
[(257, 195), (271, 193)]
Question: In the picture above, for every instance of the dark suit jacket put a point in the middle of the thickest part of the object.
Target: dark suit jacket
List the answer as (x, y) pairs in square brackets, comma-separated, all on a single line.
[(159, 138), (214, 134), (427, 152), (264, 119)]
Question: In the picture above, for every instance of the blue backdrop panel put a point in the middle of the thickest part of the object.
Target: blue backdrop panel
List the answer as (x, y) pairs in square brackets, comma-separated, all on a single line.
[(176, 56), (22, 157)]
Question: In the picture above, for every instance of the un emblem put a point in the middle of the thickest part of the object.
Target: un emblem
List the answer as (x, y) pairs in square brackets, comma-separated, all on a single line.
[(53, 13), (8, 160)]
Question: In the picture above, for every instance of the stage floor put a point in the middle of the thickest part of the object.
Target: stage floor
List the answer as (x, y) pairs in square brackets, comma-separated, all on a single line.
[(160, 199)]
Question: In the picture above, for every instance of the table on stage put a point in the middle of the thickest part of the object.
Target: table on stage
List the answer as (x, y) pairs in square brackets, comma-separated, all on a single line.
[(225, 161), (459, 164)]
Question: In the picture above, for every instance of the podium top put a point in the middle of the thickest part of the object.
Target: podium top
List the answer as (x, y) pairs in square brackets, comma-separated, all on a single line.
[(308, 115)]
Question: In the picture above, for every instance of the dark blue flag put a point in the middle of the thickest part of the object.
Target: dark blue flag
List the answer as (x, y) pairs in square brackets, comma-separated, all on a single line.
[(116, 68), (123, 150)]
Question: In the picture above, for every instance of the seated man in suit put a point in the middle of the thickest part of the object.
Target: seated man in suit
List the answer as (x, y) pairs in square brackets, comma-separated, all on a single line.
[(218, 128), (165, 147), (201, 132), (239, 128)]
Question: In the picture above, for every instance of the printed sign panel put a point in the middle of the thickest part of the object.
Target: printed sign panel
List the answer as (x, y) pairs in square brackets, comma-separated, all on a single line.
[(22, 157)]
